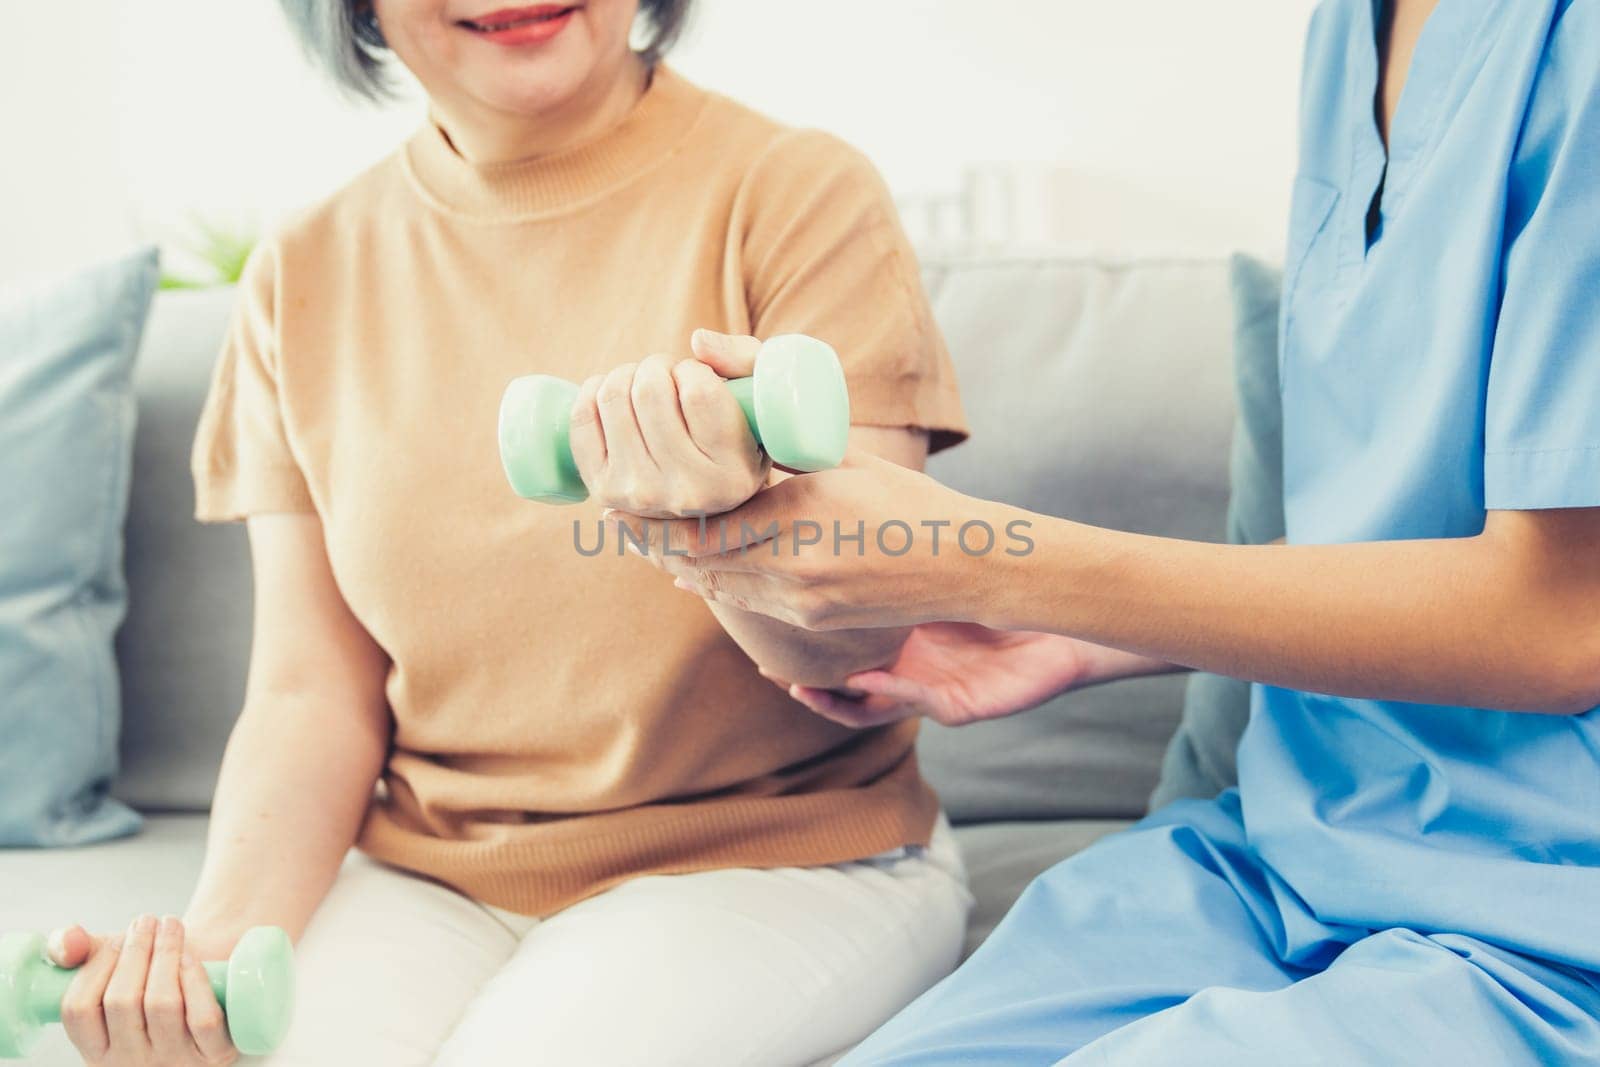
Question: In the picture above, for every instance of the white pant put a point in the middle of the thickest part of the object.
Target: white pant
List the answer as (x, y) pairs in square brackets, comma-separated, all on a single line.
[(753, 968)]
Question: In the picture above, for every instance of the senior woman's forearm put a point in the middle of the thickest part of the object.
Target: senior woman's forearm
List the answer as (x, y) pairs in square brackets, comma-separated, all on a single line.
[(295, 785), (824, 659), (820, 659), (1507, 619)]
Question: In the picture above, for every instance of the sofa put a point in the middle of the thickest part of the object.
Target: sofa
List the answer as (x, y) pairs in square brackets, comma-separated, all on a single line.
[(1097, 388)]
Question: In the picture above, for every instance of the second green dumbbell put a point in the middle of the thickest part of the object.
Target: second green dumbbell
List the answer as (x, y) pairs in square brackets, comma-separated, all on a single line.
[(796, 405), (255, 988)]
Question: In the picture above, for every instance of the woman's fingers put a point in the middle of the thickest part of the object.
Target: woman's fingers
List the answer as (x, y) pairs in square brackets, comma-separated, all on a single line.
[(626, 454), (208, 1028), (163, 996), (585, 436), (83, 1007), (715, 422), (124, 999), (730, 355), (657, 409)]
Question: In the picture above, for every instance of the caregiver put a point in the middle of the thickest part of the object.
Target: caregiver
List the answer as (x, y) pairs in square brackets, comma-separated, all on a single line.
[(1409, 869), (586, 830)]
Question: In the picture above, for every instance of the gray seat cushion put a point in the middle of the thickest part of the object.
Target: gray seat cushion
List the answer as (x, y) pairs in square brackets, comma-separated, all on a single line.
[(1003, 857), (155, 872), (103, 887)]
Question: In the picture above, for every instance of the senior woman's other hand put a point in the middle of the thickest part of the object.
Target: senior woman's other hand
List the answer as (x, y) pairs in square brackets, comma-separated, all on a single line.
[(662, 438), (868, 544), (141, 999)]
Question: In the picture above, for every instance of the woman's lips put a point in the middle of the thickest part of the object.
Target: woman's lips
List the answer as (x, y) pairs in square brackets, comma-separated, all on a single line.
[(521, 25)]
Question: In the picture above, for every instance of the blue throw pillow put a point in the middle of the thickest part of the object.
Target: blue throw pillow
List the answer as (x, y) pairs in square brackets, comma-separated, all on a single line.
[(66, 442), (1201, 758)]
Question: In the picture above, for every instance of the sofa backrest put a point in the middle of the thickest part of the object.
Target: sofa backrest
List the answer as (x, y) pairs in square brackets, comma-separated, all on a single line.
[(1097, 390), (185, 642)]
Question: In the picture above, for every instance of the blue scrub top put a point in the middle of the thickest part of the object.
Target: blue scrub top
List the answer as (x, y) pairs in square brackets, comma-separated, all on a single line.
[(1438, 364)]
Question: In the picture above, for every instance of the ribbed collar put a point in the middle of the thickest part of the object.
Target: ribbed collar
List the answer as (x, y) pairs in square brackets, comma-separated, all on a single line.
[(544, 185)]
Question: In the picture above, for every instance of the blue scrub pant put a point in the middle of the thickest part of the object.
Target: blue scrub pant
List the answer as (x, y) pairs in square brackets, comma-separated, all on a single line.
[(1172, 943)]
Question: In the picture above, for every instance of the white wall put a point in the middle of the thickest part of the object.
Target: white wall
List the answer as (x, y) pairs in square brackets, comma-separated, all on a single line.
[(132, 119)]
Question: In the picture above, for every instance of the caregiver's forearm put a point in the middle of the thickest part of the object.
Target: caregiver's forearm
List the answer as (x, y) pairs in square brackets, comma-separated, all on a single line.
[(1508, 619), (295, 784)]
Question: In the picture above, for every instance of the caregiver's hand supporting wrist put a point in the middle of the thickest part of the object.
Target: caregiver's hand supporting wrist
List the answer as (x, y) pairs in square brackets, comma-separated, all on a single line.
[(869, 544)]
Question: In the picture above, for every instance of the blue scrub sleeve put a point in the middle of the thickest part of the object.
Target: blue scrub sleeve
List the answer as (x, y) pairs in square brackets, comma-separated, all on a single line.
[(1542, 422)]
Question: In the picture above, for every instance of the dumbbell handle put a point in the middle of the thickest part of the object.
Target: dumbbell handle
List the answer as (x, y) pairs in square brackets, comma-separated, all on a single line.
[(796, 405), (255, 987), (744, 391), (49, 986)]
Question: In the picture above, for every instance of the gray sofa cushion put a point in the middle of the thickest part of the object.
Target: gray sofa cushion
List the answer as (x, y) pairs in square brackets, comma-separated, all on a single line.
[(1003, 858), (155, 872), (103, 887), (184, 645), (1100, 391)]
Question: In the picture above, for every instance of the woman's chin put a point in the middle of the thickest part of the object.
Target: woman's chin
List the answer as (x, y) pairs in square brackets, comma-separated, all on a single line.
[(530, 88), (530, 80)]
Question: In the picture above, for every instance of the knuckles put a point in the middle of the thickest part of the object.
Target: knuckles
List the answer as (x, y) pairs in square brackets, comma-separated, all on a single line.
[(206, 1020), (700, 392), (617, 386), (652, 384), (584, 415), (77, 1010), (123, 1005), (163, 1005)]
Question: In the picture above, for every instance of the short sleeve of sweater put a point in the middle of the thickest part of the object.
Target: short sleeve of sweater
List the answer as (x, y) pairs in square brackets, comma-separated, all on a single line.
[(824, 254), (242, 462)]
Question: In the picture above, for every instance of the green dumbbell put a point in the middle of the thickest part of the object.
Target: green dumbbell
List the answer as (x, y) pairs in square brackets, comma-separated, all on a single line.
[(255, 987), (796, 405)]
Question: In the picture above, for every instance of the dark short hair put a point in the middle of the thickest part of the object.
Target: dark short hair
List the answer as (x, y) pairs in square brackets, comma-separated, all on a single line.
[(342, 38)]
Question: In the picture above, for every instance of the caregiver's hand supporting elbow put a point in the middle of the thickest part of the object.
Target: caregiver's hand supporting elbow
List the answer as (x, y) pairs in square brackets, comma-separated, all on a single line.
[(957, 673), (660, 438)]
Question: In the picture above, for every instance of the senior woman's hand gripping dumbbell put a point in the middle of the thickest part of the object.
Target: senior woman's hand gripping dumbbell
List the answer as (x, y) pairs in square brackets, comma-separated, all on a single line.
[(255, 987), (796, 405)]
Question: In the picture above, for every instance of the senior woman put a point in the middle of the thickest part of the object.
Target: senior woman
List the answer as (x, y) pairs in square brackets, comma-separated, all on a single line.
[(1409, 869), (589, 830)]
